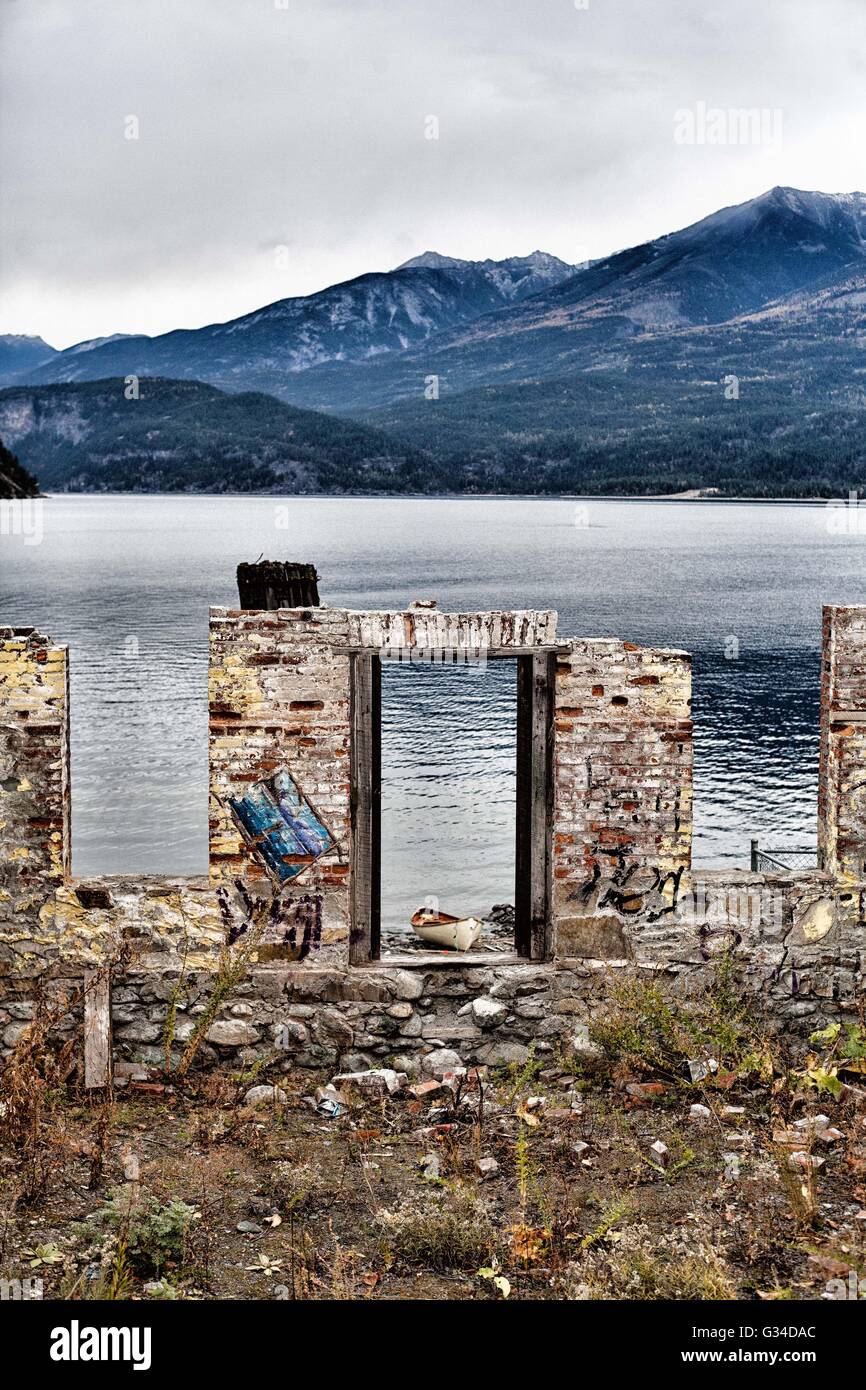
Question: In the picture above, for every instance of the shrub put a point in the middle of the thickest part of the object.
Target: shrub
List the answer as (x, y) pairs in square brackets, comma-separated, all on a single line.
[(297, 1185), (645, 1025), (445, 1229), (153, 1234), (643, 1265), (32, 1085)]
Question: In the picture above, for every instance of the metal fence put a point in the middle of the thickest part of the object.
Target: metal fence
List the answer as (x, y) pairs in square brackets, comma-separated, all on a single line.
[(768, 859)]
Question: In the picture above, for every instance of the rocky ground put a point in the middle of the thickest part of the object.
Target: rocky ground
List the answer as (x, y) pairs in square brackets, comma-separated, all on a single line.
[(678, 1154)]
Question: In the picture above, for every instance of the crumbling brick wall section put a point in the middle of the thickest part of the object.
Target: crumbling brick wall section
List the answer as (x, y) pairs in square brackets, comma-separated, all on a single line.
[(616, 827), (623, 794), (34, 771), (278, 695), (842, 781)]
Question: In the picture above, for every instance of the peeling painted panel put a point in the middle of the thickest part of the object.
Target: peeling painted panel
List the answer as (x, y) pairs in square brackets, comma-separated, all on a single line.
[(281, 825)]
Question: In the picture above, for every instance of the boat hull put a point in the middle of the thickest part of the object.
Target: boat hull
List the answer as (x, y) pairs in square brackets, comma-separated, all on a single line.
[(452, 933)]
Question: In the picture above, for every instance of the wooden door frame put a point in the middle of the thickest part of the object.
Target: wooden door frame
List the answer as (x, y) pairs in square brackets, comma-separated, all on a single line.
[(532, 861), (365, 800), (534, 811)]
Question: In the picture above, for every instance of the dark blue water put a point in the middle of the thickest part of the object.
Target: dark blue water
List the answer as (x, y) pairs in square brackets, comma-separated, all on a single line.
[(127, 581)]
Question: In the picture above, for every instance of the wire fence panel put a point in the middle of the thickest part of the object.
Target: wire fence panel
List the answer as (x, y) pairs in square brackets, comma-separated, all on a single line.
[(769, 859)]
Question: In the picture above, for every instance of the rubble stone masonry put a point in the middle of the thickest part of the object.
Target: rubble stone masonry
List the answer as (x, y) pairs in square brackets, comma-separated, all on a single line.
[(622, 894), (842, 784)]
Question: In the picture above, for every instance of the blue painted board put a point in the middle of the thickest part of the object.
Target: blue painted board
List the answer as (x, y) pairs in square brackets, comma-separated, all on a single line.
[(281, 825)]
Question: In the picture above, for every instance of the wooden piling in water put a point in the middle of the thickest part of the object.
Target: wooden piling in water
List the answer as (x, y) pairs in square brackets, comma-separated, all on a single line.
[(271, 584)]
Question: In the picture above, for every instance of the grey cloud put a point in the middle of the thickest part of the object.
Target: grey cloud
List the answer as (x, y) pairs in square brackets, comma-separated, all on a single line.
[(305, 127)]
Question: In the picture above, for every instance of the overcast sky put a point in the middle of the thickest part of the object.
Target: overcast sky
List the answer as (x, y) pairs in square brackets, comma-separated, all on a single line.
[(306, 127)]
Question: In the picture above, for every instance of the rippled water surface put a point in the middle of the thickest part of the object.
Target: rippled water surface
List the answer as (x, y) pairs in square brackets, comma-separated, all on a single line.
[(126, 581)]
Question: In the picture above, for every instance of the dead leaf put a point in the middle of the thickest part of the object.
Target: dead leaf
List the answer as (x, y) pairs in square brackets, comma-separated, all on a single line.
[(529, 1243)]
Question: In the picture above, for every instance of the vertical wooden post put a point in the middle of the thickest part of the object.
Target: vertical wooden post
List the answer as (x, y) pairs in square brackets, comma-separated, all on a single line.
[(365, 772), (97, 1028), (535, 678)]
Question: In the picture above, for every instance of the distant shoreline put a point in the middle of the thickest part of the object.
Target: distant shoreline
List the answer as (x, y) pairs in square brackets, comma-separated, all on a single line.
[(676, 497)]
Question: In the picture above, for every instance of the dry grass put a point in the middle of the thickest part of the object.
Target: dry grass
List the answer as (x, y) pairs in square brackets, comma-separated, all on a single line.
[(443, 1229), (33, 1117), (191, 1194)]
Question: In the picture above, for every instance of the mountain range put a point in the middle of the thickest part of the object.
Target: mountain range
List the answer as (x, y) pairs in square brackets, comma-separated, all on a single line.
[(728, 354), (373, 316), (187, 436)]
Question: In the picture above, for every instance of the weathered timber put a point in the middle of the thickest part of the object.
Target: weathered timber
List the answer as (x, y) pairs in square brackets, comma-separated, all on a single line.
[(97, 1028), (272, 584), (535, 678), (366, 779)]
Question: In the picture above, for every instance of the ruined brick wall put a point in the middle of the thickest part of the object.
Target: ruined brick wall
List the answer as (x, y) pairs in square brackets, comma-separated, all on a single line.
[(623, 894), (623, 794), (842, 781), (34, 771), (278, 693)]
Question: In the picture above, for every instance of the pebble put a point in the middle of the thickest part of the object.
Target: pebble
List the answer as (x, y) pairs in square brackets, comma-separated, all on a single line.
[(736, 1141), (812, 1124), (488, 1013), (441, 1060), (804, 1160), (259, 1095), (378, 1081), (430, 1163), (645, 1090)]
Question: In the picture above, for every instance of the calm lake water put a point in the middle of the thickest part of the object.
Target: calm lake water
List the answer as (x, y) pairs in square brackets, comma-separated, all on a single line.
[(127, 581)]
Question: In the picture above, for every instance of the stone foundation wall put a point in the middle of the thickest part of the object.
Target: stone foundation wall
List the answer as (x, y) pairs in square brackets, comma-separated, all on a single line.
[(797, 943)]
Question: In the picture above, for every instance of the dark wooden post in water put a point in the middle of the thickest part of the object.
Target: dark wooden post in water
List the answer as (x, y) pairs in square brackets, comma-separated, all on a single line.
[(274, 584)]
